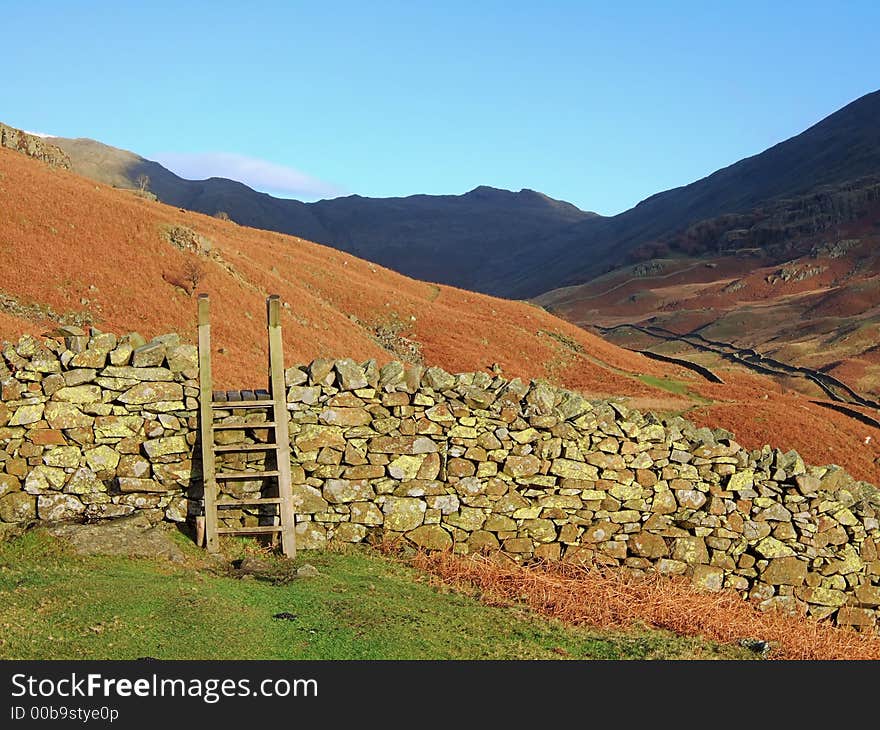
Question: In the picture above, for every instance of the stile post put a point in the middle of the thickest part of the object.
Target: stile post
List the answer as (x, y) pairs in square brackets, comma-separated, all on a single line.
[(206, 420), (282, 433)]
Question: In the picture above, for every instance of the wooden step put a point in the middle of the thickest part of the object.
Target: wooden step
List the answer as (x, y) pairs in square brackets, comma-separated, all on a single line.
[(248, 530), (253, 501), (262, 424), (232, 405), (245, 447), (245, 474)]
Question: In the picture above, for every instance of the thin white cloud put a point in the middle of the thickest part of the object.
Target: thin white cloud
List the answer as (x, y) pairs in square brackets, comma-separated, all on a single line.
[(267, 177)]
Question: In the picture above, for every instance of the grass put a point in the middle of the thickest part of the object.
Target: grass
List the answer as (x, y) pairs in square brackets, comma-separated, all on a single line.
[(676, 387), (362, 605)]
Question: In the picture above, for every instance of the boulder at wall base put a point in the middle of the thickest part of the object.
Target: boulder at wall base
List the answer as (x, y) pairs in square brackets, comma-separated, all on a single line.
[(57, 507), (403, 514), (18, 507), (430, 537)]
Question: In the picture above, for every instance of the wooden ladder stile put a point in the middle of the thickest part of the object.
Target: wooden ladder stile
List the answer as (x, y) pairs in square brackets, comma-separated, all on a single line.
[(212, 401)]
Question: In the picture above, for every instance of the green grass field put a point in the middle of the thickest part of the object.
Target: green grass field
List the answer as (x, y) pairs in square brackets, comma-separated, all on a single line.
[(362, 605)]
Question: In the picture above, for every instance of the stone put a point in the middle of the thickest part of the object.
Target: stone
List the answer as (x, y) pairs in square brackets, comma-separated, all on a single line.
[(366, 513), (133, 484), (18, 507), (391, 373), (89, 358), (460, 467), (664, 503), (600, 531), (481, 540), (708, 577), (648, 545), (102, 458), (121, 354), (690, 498), (365, 471), (310, 536), (295, 376), (47, 437), (770, 547), (78, 394), (44, 479), (807, 484), (9, 483), (338, 491), (148, 392), (182, 357), (540, 530), (80, 376), (133, 465), (56, 507), (137, 373), (430, 537), (570, 469), (518, 545), (313, 437), (690, 550), (403, 514), (438, 379), (824, 596), (150, 355), (166, 445), (62, 456), (84, 481), (467, 518), (522, 466), (860, 617), (868, 595), (741, 480), (27, 414), (790, 571), (348, 532), (350, 375), (406, 467), (345, 417), (411, 445)]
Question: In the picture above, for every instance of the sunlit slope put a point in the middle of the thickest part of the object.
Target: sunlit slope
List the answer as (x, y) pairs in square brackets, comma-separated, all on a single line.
[(77, 251)]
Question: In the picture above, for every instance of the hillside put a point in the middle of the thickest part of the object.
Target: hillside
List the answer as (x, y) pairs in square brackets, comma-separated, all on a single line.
[(452, 239), (85, 253), (519, 244)]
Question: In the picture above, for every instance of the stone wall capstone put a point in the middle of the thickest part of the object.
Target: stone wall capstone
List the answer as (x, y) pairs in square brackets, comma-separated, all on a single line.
[(93, 426)]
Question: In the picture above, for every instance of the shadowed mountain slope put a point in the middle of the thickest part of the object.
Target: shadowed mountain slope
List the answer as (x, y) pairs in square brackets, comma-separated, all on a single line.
[(453, 239), (517, 244)]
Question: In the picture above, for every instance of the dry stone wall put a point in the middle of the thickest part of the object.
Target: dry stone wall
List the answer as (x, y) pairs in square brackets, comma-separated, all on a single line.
[(95, 427)]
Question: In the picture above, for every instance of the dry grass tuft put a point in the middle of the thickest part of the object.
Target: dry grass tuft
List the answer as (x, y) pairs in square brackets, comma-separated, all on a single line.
[(614, 599)]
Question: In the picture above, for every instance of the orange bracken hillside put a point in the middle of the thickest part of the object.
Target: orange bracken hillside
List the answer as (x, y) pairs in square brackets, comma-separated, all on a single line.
[(74, 250), (73, 246)]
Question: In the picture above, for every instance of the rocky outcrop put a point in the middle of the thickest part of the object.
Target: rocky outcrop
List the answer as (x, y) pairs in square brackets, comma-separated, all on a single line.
[(94, 426), (33, 146)]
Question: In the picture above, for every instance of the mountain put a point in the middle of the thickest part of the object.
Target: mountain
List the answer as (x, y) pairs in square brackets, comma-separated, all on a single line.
[(779, 253), (517, 244), (453, 239), (842, 147), (86, 254)]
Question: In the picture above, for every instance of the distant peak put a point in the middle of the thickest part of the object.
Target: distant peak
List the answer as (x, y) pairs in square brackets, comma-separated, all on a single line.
[(485, 190)]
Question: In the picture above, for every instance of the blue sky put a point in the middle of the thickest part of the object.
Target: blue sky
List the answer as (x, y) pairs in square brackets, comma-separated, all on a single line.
[(598, 103)]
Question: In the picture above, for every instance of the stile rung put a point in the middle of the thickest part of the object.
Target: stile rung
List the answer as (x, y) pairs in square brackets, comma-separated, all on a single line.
[(229, 405), (242, 502), (245, 474), (244, 447), (248, 530), (242, 426)]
